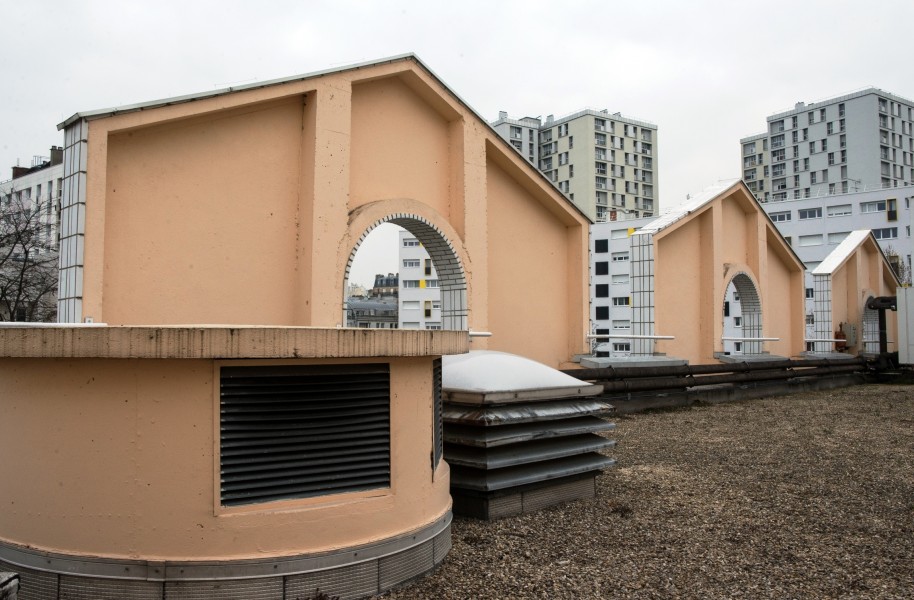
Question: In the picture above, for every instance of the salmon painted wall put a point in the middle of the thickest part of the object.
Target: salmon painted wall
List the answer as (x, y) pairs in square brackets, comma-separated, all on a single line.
[(200, 223), (528, 264), (400, 147), (680, 276), (145, 484)]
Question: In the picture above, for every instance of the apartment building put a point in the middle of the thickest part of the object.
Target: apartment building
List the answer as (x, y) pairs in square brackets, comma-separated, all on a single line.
[(606, 164), (855, 142), (522, 133), (420, 297), (38, 188)]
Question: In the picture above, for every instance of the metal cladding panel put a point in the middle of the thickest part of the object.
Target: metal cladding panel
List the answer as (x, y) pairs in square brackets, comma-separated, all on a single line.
[(442, 545), (33, 585), (505, 506), (92, 588), (354, 581), (438, 413), (399, 568), (528, 452), (563, 492), (499, 479), (300, 431), (487, 437), (243, 589), (525, 413)]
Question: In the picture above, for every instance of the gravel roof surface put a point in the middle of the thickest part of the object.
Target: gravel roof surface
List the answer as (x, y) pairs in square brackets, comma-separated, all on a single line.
[(802, 496)]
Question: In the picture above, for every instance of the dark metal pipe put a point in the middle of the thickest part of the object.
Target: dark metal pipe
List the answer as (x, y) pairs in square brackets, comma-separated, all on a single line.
[(614, 373)]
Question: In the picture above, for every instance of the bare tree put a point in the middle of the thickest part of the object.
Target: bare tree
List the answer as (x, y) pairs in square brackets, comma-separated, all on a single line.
[(28, 260), (902, 269)]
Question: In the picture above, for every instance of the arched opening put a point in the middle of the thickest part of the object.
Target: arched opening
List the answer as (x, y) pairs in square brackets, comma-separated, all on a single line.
[(742, 314), (447, 275)]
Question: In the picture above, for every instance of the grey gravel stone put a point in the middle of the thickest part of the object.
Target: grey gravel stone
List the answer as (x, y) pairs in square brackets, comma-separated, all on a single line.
[(804, 496)]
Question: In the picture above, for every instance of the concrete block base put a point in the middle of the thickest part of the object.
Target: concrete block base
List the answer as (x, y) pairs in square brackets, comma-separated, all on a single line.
[(525, 499)]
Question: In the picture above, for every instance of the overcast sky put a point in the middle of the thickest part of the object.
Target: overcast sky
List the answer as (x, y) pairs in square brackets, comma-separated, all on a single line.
[(706, 72)]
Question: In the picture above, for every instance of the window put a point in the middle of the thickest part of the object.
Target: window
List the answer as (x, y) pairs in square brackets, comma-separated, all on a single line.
[(410, 242), (837, 237), (839, 210), (410, 263), (738, 346), (602, 290), (602, 313), (410, 324), (619, 234), (621, 301), (810, 213), (810, 293), (433, 325), (302, 457), (410, 305), (428, 309), (887, 233), (875, 206), (622, 347), (619, 257), (810, 240), (891, 209), (780, 217), (411, 283), (601, 268), (431, 283), (622, 324), (601, 246), (810, 319), (599, 139), (737, 321), (620, 278)]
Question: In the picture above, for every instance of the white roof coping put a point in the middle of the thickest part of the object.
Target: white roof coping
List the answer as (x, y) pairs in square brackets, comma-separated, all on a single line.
[(842, 252), (695, 203)]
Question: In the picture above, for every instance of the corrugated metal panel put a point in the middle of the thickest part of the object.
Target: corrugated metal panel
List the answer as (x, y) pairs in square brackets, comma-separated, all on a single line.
[(499, 479), (525, 413), (33, 585), (438, 410), (91, 588), (298, 431), (517, 454), (355, 581), (487, 437), (269, 588)]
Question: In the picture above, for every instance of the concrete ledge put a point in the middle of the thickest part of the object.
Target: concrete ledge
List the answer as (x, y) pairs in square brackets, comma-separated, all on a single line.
[(594, 362), (225, 341)]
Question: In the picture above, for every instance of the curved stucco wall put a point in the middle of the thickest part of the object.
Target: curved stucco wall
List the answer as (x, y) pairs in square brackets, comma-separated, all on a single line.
[(119, 458)]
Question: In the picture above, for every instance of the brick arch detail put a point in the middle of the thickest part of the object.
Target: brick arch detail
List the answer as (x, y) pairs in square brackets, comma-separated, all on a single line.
[(751, 306), (452, 279)]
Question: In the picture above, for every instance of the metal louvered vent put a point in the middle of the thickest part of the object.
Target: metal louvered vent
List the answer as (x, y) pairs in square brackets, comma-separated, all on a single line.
[(438, 425), (300, 431)]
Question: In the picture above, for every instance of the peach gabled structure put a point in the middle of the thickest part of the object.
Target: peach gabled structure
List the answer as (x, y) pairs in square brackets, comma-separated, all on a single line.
[(275, 453), (682, 264), (246, 206), (855, 271)]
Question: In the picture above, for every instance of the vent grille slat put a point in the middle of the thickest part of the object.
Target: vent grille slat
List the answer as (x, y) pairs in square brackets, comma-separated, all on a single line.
[(302, 431), (438, 425)]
